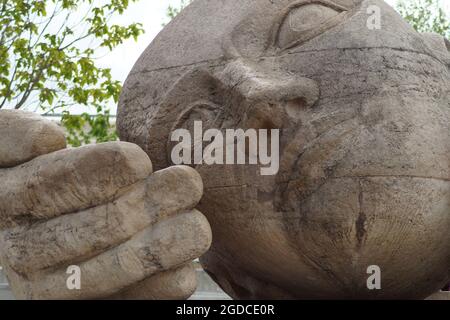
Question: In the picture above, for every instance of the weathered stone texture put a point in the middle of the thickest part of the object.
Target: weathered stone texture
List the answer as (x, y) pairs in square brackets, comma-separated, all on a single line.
[(364, 115)]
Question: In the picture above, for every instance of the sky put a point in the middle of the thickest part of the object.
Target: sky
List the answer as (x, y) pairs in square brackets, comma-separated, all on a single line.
[(152, 14)]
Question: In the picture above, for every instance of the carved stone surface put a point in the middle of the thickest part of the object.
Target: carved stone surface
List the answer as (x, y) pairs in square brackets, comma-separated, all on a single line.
[(27, 136), (365, 145), (131, 233)]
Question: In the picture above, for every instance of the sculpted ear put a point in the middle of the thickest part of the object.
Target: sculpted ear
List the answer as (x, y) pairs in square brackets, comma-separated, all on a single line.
[(196, 96), (241, 95)]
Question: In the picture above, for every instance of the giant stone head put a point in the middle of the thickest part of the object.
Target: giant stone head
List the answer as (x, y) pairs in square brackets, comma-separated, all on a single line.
[(364, 119)]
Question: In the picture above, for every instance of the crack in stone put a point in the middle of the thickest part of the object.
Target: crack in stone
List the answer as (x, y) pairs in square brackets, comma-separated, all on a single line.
[(362, 218), (392, 176), (224, 60), (338, 177)]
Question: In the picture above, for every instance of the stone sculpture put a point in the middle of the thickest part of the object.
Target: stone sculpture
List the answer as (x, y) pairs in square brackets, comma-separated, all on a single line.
[(364, 113), (131, 233), (364, 171)]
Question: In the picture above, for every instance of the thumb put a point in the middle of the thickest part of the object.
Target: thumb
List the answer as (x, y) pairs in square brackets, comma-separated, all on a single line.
[(26, 135)]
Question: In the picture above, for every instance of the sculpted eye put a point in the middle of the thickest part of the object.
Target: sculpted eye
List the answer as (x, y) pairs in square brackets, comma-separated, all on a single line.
[(304, 22)]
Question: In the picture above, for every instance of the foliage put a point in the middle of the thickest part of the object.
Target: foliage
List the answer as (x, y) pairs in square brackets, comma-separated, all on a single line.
[(48, 52), (85, 129), (172, 11), (426, 16)]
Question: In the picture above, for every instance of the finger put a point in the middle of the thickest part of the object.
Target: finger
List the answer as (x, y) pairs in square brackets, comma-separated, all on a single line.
[(68, 238), (26, 135), (71, 180), (174, 189), (169, 244), (177, 284)]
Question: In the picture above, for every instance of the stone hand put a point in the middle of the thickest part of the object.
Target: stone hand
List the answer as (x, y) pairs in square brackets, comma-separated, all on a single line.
[(99, 209)]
